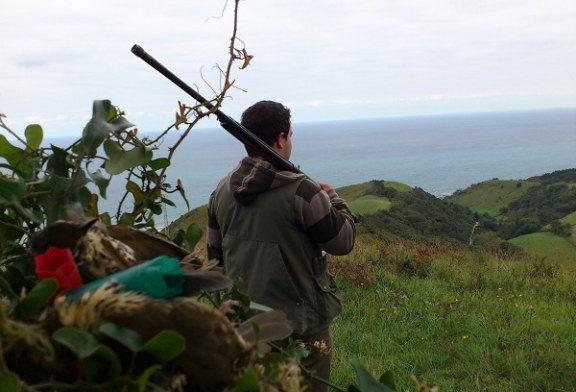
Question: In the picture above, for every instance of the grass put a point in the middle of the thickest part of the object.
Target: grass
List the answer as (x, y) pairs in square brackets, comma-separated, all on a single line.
[(462, 320), (569, 219), (490, 196), (547, 245), (369, 204), (352, 192)]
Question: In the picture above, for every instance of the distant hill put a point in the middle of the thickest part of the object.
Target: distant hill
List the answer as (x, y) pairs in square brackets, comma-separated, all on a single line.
[(536, 214), (490, 197), (371, 197), (410, 213)]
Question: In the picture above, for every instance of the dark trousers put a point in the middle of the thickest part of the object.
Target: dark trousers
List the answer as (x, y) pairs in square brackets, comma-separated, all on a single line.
[(320, 358)]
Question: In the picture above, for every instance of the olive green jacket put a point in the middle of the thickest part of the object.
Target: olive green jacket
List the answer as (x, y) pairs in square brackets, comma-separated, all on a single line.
[(263, 239)]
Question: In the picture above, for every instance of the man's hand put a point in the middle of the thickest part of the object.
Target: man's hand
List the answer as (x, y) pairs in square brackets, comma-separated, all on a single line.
[(325, 187)]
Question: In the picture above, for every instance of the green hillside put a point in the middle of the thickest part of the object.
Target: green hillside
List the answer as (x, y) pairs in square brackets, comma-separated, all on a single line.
[(352, 192), (504, 210), (547, 245), (570, 219), (371, 197), (369, 204), (489, 197), (197, 216)]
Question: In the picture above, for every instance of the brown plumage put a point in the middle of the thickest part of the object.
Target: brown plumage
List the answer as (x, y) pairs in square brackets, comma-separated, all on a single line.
[(216, 351), (101, 250), (94, 250)]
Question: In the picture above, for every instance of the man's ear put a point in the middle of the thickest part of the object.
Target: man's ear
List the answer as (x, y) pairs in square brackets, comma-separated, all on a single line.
[(280, 140)]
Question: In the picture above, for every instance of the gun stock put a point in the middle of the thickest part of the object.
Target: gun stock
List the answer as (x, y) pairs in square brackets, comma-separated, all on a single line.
[(229, 124)]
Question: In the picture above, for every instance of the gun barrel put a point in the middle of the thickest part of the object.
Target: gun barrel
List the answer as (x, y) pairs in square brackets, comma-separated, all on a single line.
[(233, 127)]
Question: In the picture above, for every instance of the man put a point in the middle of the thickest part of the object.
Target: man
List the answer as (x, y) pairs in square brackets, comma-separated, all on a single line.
[(271, 228)]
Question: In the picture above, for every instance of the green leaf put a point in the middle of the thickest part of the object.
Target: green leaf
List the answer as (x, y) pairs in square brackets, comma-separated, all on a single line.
[(19, 274), (58, 162), (8, 382), (12, 192), (59, 191), (145, 377), (168, 202), (59, 184), (189, 239), (105, 120), (367, 382), (388, 379), (80, 342), (159, 163), (156, 208), (38, 297), (6, 289), (10, 152), (100, 181), (120, 160), (135, 189), (193, 235), (126, 219), (16, 157), (182, 192), (34, 136), (125, 336), (248, 382), (102, 364), (165, 346)]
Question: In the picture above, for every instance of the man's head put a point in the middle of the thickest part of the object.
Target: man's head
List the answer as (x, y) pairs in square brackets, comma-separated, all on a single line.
[(270, 121)]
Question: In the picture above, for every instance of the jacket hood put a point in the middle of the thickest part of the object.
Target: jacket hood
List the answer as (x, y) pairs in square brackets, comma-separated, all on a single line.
[(254, 176)]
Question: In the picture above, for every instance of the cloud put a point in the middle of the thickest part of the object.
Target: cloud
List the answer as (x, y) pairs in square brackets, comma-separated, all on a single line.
[(372, 57)]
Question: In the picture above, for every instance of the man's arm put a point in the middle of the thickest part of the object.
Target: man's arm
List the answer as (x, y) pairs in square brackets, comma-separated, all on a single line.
[(213, 236), (325, 217)]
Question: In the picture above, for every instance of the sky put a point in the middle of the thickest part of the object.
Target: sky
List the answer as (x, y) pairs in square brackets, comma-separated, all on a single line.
[(325, 59)]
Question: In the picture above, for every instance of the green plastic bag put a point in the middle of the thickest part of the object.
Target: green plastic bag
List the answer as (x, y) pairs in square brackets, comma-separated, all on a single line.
[(159, 278)]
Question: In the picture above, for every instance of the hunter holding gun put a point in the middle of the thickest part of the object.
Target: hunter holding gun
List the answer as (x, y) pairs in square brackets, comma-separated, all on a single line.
[(272, 227)]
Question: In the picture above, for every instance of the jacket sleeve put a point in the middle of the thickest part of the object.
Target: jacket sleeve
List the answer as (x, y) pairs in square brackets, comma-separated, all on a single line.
[(325, 217), (213, 235)]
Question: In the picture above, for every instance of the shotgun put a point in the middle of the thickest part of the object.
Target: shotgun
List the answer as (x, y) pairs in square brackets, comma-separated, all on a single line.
[(233, 127)]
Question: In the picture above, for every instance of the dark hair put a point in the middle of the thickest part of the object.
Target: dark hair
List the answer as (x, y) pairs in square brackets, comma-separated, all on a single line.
[(266, 119)]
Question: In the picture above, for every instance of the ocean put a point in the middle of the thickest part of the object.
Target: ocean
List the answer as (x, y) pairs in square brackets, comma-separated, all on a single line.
[(439, 154)]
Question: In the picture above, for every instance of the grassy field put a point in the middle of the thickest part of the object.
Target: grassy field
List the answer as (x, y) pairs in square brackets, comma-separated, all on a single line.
[(570, 219), (461, 320), (369, 204), (490, 196), (546, 244)]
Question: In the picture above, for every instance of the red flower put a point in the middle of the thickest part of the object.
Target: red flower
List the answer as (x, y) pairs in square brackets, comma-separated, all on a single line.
[(58, 264)]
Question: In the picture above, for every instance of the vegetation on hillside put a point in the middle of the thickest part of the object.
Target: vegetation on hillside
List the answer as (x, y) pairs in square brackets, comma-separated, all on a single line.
[(489, 197), (415, 214), (391, 211), (541, 204)]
